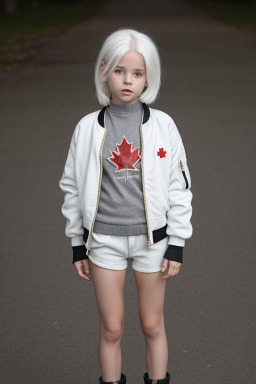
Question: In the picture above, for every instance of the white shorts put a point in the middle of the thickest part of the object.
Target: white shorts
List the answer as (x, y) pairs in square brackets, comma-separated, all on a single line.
[(113, 252)]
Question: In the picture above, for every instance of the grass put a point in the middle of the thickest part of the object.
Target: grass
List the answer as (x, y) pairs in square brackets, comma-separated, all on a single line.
[(238, 13), (22, 33)]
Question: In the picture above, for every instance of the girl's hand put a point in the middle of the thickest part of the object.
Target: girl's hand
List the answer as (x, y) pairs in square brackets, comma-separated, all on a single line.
[(174, 268), (82, 268)]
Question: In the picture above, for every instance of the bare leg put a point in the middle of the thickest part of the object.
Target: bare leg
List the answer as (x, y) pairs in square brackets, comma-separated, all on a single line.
[(151, 292), (109, 290)]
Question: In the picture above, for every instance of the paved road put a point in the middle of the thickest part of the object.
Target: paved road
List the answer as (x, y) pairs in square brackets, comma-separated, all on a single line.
[(49, 331)]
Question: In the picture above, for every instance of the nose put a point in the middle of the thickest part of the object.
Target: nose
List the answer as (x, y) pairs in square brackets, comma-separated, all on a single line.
[(127, 79)]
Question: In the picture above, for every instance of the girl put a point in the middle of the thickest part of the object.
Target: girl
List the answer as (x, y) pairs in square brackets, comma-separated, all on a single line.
[(127, 195)]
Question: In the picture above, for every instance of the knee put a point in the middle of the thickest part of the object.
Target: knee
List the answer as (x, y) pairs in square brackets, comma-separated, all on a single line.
[(151, 328), (112, 332)]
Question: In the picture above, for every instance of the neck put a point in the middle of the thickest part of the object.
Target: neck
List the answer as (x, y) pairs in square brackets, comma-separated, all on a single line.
[(125, 108)]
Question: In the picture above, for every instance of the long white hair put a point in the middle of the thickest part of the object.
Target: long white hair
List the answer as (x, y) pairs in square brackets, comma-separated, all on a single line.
[(112, 51)]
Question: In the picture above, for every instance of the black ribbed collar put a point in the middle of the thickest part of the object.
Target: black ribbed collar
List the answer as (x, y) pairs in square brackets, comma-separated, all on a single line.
[(103, 110)]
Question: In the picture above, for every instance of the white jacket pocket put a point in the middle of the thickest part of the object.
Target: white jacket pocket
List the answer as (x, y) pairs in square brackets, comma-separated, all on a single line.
[(184, 173)]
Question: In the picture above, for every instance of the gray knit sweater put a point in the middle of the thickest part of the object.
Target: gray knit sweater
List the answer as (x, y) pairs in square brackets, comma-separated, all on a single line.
[(121, 208)]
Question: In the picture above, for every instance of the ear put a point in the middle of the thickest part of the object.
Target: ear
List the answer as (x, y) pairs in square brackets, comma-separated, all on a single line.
[(102, 65), (145, 86)]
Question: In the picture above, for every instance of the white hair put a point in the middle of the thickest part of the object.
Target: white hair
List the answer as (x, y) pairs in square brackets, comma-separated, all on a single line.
[(112, 51)]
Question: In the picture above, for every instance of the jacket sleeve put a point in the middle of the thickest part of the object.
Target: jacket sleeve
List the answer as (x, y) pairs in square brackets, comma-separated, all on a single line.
[(70, 208), (179, 227)]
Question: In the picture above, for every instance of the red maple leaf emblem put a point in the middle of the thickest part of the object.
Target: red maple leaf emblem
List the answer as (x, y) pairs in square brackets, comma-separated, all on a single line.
[(161, 153), (125, 158)]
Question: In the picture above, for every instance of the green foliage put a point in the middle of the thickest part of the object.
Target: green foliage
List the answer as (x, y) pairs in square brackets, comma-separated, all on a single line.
[(20, 32), (241, 13)]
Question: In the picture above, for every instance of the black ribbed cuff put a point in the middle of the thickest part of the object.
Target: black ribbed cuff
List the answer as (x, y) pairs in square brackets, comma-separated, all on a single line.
[(174, 253), (79, 253)]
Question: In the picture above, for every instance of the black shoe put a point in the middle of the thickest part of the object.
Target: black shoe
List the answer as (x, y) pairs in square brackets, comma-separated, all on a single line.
[(121, 381), (166, 380)]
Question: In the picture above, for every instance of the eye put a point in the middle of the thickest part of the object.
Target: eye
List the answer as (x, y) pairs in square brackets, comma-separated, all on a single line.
[(138, 73), (118, 70)]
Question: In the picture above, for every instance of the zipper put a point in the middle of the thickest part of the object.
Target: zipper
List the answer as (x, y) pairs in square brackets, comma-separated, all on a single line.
[(149, 242), (98, 199), (184, 174)]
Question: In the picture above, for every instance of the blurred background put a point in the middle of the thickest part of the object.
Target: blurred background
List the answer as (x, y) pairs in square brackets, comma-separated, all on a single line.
[(25, 23), (49, 317)]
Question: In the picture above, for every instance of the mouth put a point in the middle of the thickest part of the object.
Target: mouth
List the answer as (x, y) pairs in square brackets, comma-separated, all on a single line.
[(127, 91)]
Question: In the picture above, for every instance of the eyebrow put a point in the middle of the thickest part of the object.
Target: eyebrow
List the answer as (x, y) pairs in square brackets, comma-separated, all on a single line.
[(138, 69)]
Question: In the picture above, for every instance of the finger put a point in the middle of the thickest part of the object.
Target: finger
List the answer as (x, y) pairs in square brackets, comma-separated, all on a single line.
[(86, 266), (164, 265), (167, 276), (81, 268), (83, 276), (85, 269), (171, 272)]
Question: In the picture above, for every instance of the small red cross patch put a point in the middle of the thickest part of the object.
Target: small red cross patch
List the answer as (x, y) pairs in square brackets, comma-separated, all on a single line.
[(161, 153)]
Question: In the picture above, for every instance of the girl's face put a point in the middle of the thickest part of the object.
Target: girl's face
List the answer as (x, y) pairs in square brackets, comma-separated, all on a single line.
[(128, 79)]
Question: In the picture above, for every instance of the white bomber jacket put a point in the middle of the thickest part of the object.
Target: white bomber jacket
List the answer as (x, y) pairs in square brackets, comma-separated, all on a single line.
[(166, 181)]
